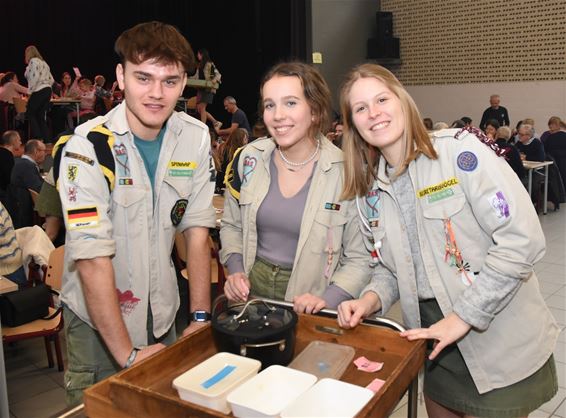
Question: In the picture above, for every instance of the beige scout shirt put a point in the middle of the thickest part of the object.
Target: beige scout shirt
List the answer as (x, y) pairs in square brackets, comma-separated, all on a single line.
[(329, 228), (127, 225), (495, 225)]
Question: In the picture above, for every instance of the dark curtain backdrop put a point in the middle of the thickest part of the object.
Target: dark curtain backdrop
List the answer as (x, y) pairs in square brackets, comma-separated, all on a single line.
[(244, 37)]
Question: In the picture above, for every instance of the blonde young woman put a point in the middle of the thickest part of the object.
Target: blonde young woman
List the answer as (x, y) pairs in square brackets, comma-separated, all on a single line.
[(286, 234), (40, 82), (454, 238)]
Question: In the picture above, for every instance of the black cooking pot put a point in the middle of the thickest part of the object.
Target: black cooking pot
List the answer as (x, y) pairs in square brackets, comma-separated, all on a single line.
[(256, 329)]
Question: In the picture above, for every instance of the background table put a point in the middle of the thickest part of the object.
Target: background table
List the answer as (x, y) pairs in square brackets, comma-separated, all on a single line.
[(534, 165), (64, 101)]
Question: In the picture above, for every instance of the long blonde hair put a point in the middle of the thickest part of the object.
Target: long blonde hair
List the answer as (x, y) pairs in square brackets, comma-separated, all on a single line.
[(361, 159), (32, 52)]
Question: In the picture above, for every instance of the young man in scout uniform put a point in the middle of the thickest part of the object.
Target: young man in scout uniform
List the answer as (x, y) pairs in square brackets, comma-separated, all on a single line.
[(129, 181)]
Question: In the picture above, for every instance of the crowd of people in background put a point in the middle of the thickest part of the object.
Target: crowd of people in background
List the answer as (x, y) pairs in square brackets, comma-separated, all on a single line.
[(292, 183)]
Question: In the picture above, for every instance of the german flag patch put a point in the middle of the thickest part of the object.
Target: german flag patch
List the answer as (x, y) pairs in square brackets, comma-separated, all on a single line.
[(80, 218)]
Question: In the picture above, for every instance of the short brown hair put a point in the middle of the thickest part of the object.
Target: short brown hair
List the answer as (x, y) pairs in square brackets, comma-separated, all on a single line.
[(360, 158), (315, 89), (155, 40)]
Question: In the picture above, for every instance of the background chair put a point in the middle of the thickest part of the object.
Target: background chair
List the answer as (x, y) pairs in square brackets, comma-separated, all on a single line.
[(46, 328)]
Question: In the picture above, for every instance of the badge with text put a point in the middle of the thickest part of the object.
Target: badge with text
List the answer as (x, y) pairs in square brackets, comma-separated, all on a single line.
[(181, 168), (438, 191), (83, 158), (178, 211), (467, 161), (80, 218)]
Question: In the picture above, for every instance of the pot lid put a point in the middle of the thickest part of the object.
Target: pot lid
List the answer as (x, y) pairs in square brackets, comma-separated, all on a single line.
[(255, 318)]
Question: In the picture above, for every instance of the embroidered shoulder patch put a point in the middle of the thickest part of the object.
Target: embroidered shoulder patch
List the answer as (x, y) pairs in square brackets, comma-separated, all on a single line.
[(467, 161), (178, 211), (500, 205), (249, 167), (80, 218)]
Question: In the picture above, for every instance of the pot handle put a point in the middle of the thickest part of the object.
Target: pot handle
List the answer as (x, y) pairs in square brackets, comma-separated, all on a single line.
[(244, 347)]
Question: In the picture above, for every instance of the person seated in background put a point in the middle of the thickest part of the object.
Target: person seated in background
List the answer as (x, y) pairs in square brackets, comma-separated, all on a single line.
[(10, 88), (9, 143), (10, 251), (555, 144), (286, 234), (259, 130), (25, 177), (335, 135), (428, 124), (512, 155), (529, 144), (225, 154), (458, 124), (467, 121), (88, 99), (491, 127), (26, 172), (439, 126), (555, 124), (99, 82), (239, 119)]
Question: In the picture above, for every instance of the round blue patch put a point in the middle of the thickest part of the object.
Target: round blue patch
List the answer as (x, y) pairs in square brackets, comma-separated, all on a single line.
[(467, 161)]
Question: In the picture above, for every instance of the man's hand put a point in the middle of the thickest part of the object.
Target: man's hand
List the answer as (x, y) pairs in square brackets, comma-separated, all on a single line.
[(308, 303), (148, 351), (445, 332), (237, 287)]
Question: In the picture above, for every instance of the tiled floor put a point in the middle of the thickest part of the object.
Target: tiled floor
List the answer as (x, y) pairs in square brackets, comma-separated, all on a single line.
[(36, 391)]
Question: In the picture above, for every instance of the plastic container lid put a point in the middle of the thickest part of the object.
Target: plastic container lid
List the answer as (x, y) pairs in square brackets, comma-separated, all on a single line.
[(208, 383), (324, 359), (329, 398)]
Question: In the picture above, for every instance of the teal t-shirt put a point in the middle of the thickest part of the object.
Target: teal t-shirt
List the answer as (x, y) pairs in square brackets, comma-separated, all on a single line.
[(149, 151)]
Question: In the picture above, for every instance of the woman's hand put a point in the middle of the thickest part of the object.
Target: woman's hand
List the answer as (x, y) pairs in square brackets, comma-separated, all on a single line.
[(445, 332), (237, 287), (351, 312), (308, 303)]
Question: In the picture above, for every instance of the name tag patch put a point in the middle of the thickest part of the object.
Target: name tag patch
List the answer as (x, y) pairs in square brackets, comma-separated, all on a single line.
[(438, 191), (181, 168), (80, 218)]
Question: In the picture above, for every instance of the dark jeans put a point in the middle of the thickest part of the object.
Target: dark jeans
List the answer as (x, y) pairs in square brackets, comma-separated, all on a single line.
[(37, 107)]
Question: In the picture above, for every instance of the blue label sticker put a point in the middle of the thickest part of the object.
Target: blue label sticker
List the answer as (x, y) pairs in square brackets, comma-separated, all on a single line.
[(467, 161), (218, 377)]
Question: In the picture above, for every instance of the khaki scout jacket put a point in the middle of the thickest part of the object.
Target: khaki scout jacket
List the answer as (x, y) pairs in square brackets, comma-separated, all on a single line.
[(127, 224), (495, 225), (325, 218)]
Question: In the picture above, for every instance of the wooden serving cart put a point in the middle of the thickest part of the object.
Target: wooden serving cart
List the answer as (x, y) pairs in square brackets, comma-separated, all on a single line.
[(145, 390)]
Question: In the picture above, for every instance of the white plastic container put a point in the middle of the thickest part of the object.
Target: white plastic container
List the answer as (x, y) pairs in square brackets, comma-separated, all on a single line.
[(269, 392), (208, 383), (329, 398)]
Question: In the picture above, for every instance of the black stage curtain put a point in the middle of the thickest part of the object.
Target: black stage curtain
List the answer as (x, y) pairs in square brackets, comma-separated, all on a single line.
[(244, 37)]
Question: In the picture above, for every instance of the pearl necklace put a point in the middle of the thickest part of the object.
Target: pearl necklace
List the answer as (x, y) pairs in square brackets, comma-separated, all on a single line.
[(300, 165)]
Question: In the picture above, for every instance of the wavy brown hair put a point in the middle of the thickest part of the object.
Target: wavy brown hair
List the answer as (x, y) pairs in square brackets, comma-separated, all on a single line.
[(155, 40), (361, 159), (315, 89)]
